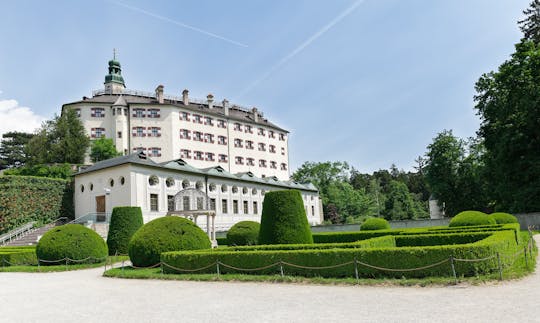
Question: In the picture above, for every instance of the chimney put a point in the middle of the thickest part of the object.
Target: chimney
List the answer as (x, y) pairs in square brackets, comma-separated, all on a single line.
[(255, 114), (210, 99), (225, 107), (185, 97), (159, 94)]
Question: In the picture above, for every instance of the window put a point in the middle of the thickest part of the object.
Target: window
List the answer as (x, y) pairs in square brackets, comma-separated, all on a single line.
[(122, 180), (221, 123), (271, 134), (155, 132), (208, 121), (185, 153), (235, 189), (185, 134), (272, 149), (222, 158), (262, 163), (185, 184), (197, 136), (198, 155), (239, 160), (223, 188), (170, 202), (261, 132), (248, 129), (97, 112), (312, 210), (153, 113), (235, 206), (139, 150), (138, 131), (97, 132), (82, 188), (282, 136), (273, 164), (224, 206), (237, 127), (199, 185), (238, 143), (213, 204), (111, 182), (119, 134), (255, 210), (249, 144), (254, 191), (246, 211), (185, 203), (169, 182), (210, 156), (78, 112), (153, 202), (283, 166), (283, 151), (138, 113), (200, 203), (154, 152), (262, 146), (222, 140), (212, 187), (244, 190), (153, 180), (250, 161), (184, 116), (208, 137), (197, 118)]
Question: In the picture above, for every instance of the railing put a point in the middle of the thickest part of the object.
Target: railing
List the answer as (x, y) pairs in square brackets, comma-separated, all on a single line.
[(16, 233), (97, 217)]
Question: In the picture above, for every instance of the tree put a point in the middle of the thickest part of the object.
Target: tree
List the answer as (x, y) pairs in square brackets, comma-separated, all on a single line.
[(12, 149), (400, 204), (530, 26), (350, 204), (508, 104), (322, 174), (102, 149)]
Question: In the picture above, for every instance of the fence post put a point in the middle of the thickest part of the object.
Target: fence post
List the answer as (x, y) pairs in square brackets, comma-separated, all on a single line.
[(67, 263), (161, 267), (217, 268), (453, 268), (500, 266), (525, 253), (356, 270), (281, 268), (122, 271)]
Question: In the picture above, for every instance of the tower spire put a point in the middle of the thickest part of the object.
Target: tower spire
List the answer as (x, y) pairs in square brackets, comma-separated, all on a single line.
[(114, 82)]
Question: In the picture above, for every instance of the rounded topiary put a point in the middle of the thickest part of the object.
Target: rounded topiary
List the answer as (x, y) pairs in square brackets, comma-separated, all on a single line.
[(284, 219), (125, 221), (502, 218), (375, 224), (72, 241), (243, 233), (471, 218), (170, 233)]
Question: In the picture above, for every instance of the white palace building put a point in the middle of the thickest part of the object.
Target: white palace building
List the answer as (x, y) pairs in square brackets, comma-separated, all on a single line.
[(172, 144)]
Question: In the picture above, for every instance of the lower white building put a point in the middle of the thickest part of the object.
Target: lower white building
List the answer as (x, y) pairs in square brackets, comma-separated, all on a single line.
[(136, 180)]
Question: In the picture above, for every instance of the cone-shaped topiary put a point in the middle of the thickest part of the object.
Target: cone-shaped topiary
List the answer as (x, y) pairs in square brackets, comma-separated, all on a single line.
[(243, 233), (375, 224), (284, 219), (503, 218), (125, 221), (72, 241), (471, 218), (170, 233)]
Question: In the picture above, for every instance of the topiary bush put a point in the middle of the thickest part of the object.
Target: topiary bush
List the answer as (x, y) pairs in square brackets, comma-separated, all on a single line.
[(503, 218), (243, 233), (125, 221), (72, 241), (375, 224), (471, 218), (170, 233), (284, 219)]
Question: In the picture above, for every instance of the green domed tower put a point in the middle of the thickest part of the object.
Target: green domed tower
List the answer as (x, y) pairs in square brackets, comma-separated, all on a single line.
[(114, 82)]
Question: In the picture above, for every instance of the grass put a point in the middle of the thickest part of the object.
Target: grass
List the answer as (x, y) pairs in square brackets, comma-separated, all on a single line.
[(57, 268)]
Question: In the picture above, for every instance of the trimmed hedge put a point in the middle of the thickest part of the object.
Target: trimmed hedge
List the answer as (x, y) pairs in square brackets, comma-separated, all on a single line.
[(503, 218), (26, 198), (340, 237), (72, 241), (222, 241), (375, 224), (284, 219), (165, 234), (125, 221), (244, 233), (24, 255), (395, 258), (471, 218), (440, 239)]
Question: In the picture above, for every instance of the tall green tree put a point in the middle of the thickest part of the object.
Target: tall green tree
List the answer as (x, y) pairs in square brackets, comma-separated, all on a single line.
[(508, 102), (401, 204), (530, 26), (102, 149), (12, 149)]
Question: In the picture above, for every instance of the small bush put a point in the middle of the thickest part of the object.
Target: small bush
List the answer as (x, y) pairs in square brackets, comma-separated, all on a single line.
[(503, 218), (471, 218), (125, 221), (72, 241), (243, 233), (12, 256), (168, 233), (375, 224), (284, 219)]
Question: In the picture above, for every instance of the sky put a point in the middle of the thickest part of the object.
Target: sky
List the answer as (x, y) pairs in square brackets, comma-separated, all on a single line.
[(369, 82)]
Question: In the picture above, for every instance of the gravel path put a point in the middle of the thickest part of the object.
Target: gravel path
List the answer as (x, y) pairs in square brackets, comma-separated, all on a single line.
[(85, 296)]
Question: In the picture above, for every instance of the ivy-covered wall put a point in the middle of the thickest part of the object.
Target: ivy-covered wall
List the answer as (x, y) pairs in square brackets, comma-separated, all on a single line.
[(27, 198)]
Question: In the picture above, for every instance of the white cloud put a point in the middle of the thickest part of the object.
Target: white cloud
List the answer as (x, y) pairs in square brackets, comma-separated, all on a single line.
[(16, 118)]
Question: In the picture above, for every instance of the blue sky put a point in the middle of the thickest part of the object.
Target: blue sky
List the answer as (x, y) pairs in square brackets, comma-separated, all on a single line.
[(368, 82)]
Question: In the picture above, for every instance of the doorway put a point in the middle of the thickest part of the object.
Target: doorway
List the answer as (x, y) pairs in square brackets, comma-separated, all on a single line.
[(100, 208)]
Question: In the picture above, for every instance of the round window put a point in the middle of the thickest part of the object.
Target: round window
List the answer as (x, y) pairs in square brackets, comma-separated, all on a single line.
[(82, 188), (244, 190), (122, 180), (212, 187), (111, 182), (223, 188), (169, 182), (235, 189), (185, 184), (91, 187), (153, 180), (254, 191)]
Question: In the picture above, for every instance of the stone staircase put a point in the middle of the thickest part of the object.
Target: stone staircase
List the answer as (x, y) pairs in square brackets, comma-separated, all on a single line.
[(31, 238)]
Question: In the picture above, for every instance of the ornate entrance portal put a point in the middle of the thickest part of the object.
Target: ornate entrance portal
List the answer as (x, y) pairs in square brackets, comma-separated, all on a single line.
[(191, 203)]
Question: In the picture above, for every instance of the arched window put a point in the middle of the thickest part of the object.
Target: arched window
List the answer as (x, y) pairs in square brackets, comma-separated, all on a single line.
[(235, 189), (212, 187), (122, 180), (111, 182), (82, 188), (223, 188), (244, 190)]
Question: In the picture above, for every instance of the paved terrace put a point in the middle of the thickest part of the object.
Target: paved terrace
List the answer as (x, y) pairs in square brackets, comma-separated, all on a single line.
[(85, 296)]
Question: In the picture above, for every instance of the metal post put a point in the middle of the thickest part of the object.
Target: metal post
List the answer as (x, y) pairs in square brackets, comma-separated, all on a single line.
[(453, 268), (161, 267), (356, 271), (66, 264), (500, 266), (122, 267), (217, 268), (526, 261), (281, 268)]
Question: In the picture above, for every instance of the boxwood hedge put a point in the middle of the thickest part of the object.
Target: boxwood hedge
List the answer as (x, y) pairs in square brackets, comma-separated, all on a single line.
[(375, 224), (244, 233), (502, 218), (471, 218), (18, 256), (125, 221)]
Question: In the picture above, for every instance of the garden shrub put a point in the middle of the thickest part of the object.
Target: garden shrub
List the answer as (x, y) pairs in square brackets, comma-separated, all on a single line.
[(243, 233), (125, 221), (168, 233), (440, 239), (503, 218), (284, 219), (72, 241), (340, 237), (471, 218), (222, 241), (18, 256), (375, 224)]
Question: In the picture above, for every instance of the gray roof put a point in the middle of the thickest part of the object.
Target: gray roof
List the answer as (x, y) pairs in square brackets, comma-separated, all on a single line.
[(181, 165)]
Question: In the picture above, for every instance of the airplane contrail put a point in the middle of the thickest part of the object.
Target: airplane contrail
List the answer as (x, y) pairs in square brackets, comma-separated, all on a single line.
[(178, 23), (302, 46)]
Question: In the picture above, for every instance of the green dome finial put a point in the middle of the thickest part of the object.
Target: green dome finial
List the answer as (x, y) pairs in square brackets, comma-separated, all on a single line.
[(115, 71)]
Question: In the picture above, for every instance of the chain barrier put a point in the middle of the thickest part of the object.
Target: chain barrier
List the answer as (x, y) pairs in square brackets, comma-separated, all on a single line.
[(250, 269), (189, 270), (407, 269), (318, 268)]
